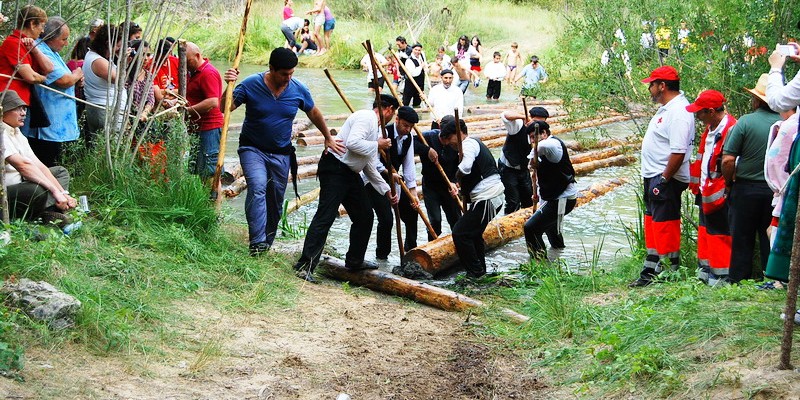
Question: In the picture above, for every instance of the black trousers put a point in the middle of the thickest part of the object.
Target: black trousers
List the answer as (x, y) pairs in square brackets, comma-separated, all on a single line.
[(338, 185), (518, 187), (493, 89), (49, 153), (438, 199), (410, 93), (545, 220), (749, 214), (468, 237), (383, 210)]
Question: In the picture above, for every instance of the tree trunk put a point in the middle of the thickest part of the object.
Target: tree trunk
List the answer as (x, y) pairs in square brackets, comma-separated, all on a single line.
[(424, 293), (437, 255)]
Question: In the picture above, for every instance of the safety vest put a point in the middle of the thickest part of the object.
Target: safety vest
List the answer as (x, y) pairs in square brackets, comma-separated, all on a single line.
[(713, 191)]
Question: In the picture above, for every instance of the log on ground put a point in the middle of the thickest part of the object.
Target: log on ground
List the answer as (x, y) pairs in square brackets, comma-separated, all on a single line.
[(440, 254), (424, 293)]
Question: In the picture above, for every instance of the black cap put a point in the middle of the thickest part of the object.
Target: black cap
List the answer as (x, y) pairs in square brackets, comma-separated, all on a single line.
[(416, 45), (541, 126), (282, 59), (407, 114), (387, 101), (448, 126), (539, 112), (446, 71)]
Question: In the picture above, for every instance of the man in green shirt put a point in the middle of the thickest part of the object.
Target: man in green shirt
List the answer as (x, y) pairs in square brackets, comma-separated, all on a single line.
[(749, 196)]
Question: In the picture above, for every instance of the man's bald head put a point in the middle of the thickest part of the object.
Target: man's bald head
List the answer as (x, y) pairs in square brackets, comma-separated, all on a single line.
[(194, 58)]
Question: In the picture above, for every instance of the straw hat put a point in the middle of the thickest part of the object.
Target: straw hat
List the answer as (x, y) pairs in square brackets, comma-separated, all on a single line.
[(760, 90)]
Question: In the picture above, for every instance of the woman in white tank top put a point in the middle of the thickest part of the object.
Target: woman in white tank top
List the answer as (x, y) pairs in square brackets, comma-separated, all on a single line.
[(100, 77)]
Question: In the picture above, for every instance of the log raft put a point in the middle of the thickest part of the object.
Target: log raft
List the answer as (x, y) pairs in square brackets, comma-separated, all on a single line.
[(440, 254), (424, 293)]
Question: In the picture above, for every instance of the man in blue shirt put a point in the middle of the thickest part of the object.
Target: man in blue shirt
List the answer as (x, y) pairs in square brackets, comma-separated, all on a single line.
[(265, 144), (534, 74), (47, 142)]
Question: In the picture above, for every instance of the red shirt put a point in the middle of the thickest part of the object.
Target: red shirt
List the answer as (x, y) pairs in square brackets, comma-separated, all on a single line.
[(167, 76), (13, 53), (202, 84)]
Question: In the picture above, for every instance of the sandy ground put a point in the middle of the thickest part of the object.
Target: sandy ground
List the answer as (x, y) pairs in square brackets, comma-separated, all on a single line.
[(334, 341)]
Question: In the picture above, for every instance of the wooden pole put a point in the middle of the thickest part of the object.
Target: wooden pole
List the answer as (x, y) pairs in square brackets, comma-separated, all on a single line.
[(419, 134), (339, 91), (226, 118), (460, 151), (438, 255), (389, 166), (791, 299), (424, 293), (410, 79), (182, 68)]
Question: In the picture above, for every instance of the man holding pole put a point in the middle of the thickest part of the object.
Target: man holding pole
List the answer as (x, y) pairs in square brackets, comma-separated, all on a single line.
[(401, 153), (340, 183), (435, 189), (265, 144), (556, 188), (513, 162), (480, 184)]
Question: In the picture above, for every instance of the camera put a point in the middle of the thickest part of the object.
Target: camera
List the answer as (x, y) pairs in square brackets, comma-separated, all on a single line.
[(786, 49)]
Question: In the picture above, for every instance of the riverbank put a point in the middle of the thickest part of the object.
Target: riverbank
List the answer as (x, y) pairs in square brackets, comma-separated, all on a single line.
[(168, 316)]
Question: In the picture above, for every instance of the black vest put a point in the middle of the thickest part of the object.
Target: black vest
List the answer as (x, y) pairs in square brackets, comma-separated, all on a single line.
[(397, 158), (516, 149), (448, 159), (483, 167), (554, 177)]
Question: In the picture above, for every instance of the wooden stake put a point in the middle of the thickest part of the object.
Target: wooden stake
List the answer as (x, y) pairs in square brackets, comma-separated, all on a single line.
[(226, 118), (410, 79), (791, 299)]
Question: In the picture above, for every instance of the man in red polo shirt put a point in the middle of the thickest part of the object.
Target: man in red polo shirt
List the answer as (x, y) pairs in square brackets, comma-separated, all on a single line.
[(203, 92)]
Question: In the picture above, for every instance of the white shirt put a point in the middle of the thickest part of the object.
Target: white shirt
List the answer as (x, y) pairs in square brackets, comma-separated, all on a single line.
[(444, 101), (446, 62), (294, 23), (360, 134), (671, 130), (512, 128), (408, 165), (489, 187), (710, 150), (15, 143), (414, 70), (366, 63), (550, 149), (495, 71), (782, 98), (468, 53)]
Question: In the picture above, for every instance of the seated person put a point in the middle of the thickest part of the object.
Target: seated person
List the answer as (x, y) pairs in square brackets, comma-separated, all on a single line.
[(34, 190)]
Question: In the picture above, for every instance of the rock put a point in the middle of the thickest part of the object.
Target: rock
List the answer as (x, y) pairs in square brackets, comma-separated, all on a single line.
[(412, 270), (42, 301)]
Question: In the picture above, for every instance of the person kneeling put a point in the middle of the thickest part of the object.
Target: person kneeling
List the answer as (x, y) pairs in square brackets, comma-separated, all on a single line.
[(34, 190)]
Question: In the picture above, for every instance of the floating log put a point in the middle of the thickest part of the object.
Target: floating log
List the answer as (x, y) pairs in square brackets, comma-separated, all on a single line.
[(236, 188), (615, 161), (439, 254), (304, 199), (565, 129), (386, 282), (575, 145)]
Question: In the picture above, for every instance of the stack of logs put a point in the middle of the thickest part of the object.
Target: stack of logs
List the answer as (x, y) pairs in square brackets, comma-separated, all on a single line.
[(485, 124)]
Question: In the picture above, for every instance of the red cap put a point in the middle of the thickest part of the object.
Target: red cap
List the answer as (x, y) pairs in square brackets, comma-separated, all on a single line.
[(707, 99), (665, 73)]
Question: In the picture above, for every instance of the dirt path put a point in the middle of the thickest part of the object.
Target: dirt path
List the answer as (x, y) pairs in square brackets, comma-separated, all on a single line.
[(334, 341)]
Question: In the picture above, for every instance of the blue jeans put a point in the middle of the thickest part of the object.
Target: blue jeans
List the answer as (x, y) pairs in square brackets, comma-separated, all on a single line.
[(463, 85), (266, 175), (208, 152)]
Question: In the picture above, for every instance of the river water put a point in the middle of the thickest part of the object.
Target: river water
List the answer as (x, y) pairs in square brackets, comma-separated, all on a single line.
[(593, 231)]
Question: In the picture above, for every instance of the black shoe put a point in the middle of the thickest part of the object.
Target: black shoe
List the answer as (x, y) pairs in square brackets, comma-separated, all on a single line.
[(363, 266), (257, 249), (381, 257), (306, 275), (641, 282)]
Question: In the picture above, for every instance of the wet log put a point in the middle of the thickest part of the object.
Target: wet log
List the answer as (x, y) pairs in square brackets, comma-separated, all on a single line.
[(298, 125), (615, 161), (567, 128), (575, 145), (424, 293), (304, 199), (602, 153), (440, 254), (236, 188), (308, 160)]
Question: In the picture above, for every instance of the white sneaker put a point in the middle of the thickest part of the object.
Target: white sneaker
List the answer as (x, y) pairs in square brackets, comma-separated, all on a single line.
[(477, 82)]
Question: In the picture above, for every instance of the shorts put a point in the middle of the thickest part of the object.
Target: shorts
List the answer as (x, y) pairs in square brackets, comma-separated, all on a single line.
[(371, 84), (319, 20), (512, 67), (329, 24), (476, 68)]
